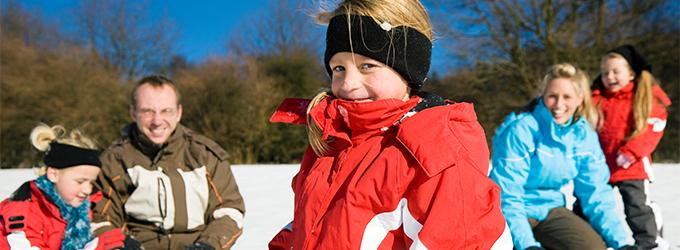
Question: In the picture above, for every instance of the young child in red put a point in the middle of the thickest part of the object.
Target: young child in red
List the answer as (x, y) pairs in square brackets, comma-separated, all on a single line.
[(388, 167), (53, 211), (633, 119)]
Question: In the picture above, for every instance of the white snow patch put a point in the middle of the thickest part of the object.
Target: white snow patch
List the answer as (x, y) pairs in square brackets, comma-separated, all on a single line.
[(269, 199)]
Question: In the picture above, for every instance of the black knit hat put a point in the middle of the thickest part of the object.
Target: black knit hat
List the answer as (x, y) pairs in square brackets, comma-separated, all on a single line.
[(635, 60), (402, 48)]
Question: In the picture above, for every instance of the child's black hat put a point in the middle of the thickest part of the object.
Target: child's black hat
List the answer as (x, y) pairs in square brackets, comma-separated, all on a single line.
[(635, 60), (402, 48)]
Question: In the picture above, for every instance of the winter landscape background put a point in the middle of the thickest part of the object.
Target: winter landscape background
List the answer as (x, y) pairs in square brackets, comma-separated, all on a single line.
[(269, 204)]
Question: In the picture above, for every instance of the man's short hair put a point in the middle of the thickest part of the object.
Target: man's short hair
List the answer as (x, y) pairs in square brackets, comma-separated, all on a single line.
[(155, 81)]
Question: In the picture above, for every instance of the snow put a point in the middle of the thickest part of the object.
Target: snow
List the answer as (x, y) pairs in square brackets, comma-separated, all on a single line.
[(269, 199)]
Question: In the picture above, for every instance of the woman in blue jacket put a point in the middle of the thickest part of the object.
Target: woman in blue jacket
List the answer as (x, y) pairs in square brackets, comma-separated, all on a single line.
[(538, 151)]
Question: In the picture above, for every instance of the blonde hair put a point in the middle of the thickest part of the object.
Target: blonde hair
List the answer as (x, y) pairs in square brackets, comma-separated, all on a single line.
[(580, 83), (314, 133), (642, 101), (410, 13), (42, 135)]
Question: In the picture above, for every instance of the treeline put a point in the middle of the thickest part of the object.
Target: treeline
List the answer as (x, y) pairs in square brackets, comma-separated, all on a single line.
[(506, 47), (83, 78)]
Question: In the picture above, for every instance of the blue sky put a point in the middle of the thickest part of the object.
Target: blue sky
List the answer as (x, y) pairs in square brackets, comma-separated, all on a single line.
[(203, 28)]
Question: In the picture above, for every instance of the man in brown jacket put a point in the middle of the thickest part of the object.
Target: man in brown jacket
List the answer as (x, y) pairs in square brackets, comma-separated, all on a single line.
[(163, 184)]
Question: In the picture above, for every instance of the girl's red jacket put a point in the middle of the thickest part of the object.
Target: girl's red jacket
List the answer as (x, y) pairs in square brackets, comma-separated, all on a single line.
[(393, 183), (618, 122)]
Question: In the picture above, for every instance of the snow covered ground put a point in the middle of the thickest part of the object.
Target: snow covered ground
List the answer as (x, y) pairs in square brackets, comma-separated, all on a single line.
[(269, 205)]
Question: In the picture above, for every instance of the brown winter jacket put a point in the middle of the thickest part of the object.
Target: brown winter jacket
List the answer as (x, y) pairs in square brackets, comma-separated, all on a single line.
[(170, 196)]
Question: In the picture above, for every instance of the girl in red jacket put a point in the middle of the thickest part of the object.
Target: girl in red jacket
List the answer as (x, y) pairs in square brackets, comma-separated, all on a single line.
[(388, 167), (53, 211), (634, 117)]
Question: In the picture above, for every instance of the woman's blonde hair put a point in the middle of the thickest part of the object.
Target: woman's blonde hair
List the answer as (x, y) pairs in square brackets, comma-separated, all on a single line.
[(580, 83), (642, 101), (410, 13), (42, 135)]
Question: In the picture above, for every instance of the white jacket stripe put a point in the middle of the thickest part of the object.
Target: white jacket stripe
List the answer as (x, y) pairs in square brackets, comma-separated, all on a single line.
[(411, 227), (18, 240), (381, 224), (657, 124), (196, 191), (647, 165), (234, 214)]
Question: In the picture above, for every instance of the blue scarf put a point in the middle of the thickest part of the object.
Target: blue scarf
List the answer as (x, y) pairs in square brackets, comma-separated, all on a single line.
[(77, 232)]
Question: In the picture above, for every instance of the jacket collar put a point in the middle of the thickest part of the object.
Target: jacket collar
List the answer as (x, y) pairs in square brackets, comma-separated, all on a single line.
[(148, 148), (624, 92), (430, 138), (571, 131), (353, 122)]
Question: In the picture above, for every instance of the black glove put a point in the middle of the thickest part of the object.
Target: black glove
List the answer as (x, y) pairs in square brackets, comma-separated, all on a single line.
[(629, 247), (199, 246), (132, 244), (534, 248)]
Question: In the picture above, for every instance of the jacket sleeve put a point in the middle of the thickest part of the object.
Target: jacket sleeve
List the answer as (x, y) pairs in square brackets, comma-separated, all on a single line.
[(645, 143), (108, 212), (511, 164), (3, 235), (596, 195), (19, 229), (457, 207), (283, 239), (225, 221)]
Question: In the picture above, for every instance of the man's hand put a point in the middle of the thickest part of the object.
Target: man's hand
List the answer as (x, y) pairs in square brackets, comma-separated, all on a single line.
[(199, 246), (132, 244)]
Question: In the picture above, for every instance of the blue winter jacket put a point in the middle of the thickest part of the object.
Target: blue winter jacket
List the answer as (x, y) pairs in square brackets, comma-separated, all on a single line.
[(534, 157)]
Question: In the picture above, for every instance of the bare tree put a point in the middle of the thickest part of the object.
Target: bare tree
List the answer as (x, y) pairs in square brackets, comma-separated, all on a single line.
[(127, 34), (522, 37), (28, 26), (285, 27), (505, 46)]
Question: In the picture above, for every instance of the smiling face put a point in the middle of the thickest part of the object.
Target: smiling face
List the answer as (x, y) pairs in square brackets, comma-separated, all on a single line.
[(615, 73), (73, 184), (156, 112), (561, 99), (362, 79)]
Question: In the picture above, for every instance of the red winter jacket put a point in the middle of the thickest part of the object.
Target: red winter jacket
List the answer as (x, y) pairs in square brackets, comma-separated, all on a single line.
[(617, 108), (28, 218), (29, 211), (387, 184)]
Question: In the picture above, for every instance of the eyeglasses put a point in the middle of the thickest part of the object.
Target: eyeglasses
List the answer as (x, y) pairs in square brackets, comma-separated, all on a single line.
[(148, 113)]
